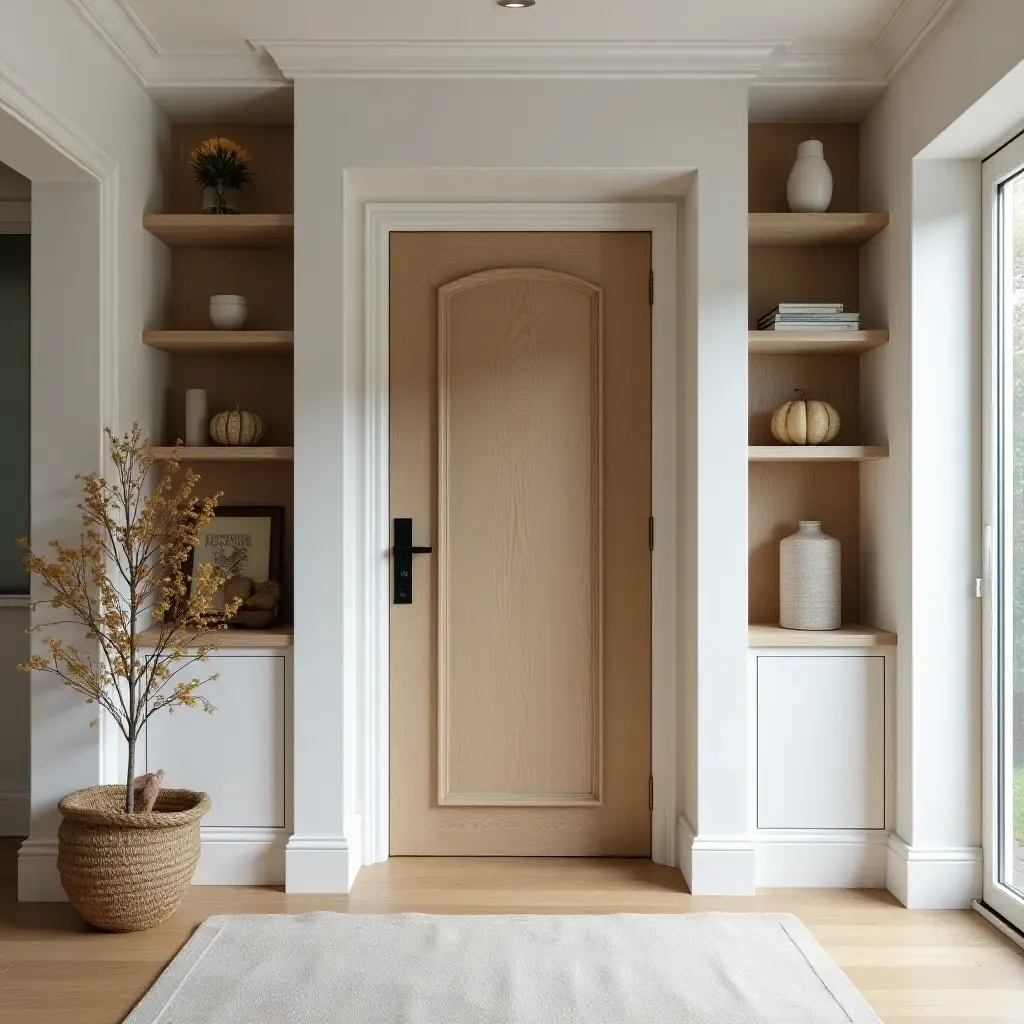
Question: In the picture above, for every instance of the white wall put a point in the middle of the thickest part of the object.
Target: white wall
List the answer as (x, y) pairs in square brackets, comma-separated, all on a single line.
[(921, 508), (344, 128), (97, 281)]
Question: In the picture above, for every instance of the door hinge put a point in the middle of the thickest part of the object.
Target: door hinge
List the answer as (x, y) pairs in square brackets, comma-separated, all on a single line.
[(650, 533), (650, 288), (650, 794)]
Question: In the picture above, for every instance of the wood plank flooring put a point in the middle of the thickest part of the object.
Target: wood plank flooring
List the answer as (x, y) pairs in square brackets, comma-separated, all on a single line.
[(939, 967)]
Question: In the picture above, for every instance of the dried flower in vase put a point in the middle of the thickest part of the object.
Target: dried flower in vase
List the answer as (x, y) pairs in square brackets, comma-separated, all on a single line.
[(220, 166)]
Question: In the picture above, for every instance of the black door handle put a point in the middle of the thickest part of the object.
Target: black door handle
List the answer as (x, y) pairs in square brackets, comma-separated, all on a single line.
[(401, 557)]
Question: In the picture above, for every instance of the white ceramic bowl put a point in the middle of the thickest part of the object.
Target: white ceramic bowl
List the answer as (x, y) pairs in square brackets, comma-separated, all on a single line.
[(228, 312)]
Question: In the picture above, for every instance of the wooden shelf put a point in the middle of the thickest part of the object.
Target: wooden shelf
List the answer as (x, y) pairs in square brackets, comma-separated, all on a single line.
[(832, 229), (215, 453), (197, 343), (228, 639), (767, 635), (224, 231), (817, 453), (828, 343)]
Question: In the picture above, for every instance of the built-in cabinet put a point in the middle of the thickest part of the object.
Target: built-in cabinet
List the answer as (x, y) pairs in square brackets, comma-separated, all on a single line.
[(236, 754), (821, 736), (820, 741), (240, 755)]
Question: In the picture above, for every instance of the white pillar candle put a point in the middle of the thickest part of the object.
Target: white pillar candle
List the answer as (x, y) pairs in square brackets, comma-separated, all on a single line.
[(197, 424)]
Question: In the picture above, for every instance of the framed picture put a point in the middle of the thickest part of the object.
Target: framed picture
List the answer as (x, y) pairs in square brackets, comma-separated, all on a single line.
[(242, 540)]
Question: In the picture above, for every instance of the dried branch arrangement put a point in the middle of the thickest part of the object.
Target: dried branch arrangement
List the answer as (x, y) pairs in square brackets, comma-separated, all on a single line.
[(129, 571)]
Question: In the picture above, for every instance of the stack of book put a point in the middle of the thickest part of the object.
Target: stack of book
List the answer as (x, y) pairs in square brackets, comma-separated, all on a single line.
[(809, 316)]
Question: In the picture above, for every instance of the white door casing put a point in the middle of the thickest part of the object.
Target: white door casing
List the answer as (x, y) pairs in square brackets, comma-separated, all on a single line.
[(660, 220)]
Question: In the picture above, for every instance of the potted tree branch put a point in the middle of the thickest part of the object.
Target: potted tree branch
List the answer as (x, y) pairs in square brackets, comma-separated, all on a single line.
[(126, 854)]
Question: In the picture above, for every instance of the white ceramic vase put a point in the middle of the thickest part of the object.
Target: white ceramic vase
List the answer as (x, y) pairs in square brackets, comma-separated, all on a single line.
[(809, 189), (197, 421), (228, 312), (810, 592)]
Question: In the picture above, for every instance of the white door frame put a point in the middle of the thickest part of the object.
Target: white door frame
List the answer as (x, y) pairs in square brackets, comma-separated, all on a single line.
[(660, 219), (75, 159), (998, 168)]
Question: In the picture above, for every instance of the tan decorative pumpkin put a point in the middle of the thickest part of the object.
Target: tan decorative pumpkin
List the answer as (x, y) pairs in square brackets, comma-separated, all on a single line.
[(805, 421), (236, 428)]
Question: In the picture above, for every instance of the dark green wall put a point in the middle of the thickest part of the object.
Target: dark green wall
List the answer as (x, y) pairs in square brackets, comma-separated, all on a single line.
[(15, 344)]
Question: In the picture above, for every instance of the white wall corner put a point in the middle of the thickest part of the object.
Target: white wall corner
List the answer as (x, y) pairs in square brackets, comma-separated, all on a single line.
[(934, 878), (318, 864), (715, 865), (38, 879), (14, 811)]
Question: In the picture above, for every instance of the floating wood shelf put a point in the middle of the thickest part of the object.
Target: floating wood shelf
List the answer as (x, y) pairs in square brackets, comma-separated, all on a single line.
[(766, 635), (196, 343), (838, 229), (227, 639), (801, 343), (214, 453), (224, 231), (817, 453)]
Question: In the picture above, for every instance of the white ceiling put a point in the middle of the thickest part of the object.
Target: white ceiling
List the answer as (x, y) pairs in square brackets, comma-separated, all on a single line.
[(804, 57), (227, 24)]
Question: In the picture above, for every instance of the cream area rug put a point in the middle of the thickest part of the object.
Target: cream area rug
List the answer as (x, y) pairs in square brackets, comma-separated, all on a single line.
[(417, 969)]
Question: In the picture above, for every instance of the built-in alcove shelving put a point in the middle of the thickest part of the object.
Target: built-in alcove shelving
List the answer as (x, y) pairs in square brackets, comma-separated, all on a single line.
[(804, 257), (248, 254), (198, 230), (814, 229), (213, 453), (811, 343), (220, 343)]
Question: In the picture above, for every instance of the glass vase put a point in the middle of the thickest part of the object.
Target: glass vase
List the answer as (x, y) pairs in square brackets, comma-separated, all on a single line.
[(217, 199)]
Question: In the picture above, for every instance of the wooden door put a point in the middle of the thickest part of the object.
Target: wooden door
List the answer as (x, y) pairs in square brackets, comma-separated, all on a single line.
[(521, 449)]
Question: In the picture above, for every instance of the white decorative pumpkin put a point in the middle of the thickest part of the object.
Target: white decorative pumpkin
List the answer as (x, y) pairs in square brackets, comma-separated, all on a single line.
[(236, 428), (805, 421)]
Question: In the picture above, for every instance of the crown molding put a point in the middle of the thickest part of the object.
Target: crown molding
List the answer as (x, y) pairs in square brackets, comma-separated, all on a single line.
[(308, 58), (779, 75), (822, 67), (115, 23), (906, 30)]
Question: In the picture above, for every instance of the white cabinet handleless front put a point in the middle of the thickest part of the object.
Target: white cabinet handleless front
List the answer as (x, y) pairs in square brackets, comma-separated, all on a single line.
[(237, 755), (821, 742)]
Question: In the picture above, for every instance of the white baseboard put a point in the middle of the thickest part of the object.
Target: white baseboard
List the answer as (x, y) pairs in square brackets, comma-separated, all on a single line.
[(934, 878), (38, 880), (715, 865), (817, 859), (319, 864), (235, 856), (14, 812), (355, 848), (230, 857)]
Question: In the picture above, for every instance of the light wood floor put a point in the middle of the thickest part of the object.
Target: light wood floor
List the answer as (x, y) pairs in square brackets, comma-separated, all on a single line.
[(911, 966)]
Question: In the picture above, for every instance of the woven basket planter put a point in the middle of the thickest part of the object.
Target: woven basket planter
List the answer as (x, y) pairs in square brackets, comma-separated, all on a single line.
[(128, 872)]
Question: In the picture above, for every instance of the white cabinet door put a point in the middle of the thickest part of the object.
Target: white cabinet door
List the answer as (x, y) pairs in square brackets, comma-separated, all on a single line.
[(821, 742), (236, 755)]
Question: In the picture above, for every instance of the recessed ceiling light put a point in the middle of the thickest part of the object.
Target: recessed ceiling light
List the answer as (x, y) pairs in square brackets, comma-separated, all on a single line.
[(516, 3)]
